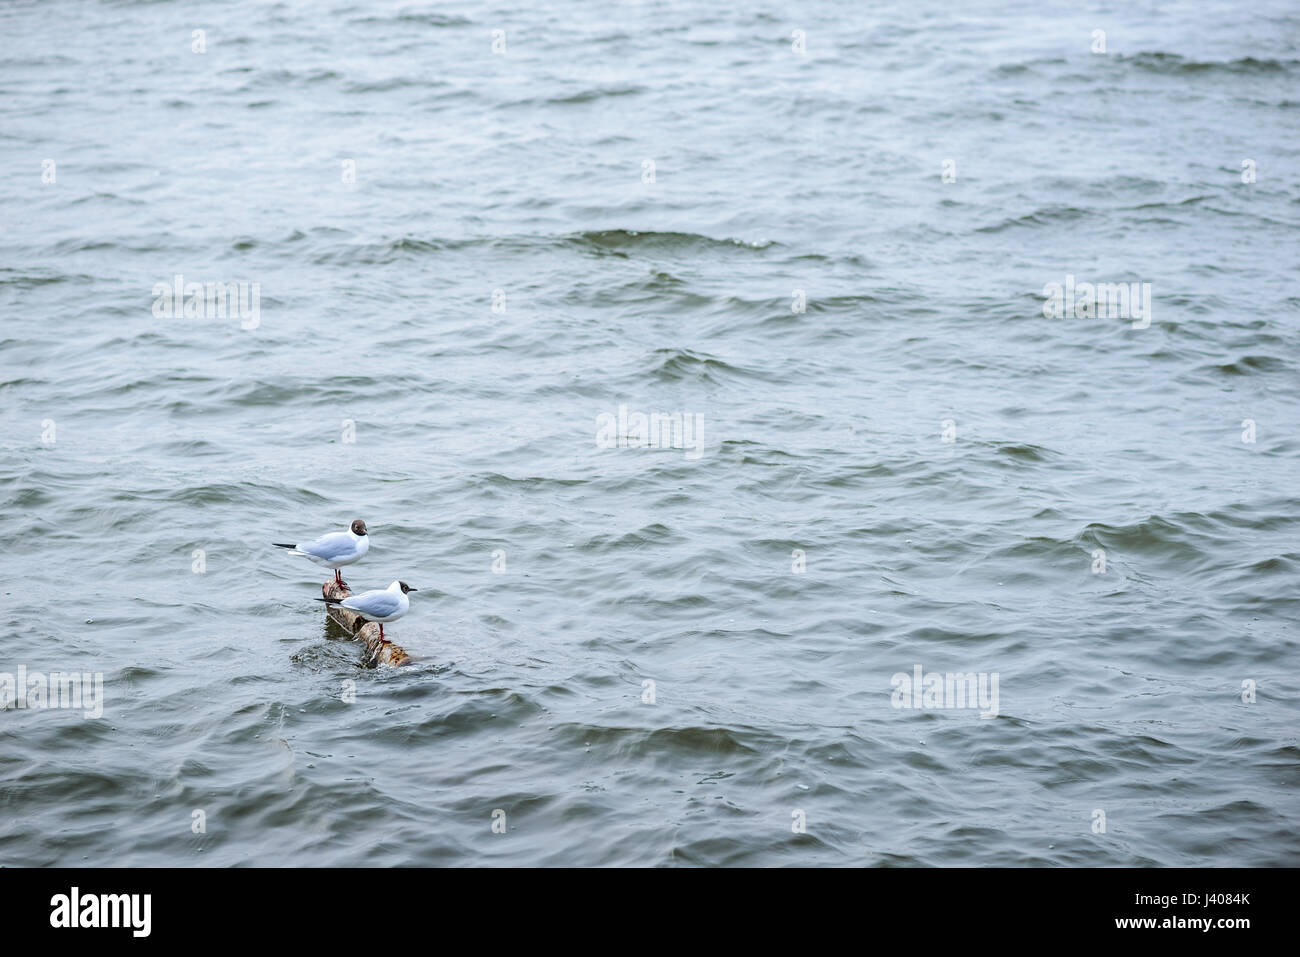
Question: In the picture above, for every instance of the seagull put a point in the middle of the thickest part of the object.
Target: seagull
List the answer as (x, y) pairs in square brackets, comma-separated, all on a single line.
[(335, 549), (381, 605)]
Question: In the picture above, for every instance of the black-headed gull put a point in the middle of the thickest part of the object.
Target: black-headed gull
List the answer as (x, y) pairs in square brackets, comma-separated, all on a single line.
[(381, 605), (336, 549)]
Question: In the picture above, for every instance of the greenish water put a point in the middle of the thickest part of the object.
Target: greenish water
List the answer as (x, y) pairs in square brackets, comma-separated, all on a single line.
[(652, 656)]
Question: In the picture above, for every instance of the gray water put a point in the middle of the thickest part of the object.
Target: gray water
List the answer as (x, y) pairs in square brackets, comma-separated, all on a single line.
[(652, 656)]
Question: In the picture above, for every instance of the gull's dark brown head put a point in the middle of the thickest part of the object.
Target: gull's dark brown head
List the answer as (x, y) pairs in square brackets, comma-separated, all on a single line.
[(358, 527), (406, 588)]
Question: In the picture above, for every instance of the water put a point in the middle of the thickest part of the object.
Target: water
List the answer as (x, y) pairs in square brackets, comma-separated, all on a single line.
[(132, 442)]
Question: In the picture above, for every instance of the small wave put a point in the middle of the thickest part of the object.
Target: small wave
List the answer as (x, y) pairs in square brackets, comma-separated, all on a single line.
[(589, 96), (1017, 69), (283, 77), (696, 740), (1046, 216), (30, 280), (683, 365), (1023, 452), (1247, 365), (619, 240), (1173, 64), (106, 197), (426, 19), (390, 84), (1188, 538)]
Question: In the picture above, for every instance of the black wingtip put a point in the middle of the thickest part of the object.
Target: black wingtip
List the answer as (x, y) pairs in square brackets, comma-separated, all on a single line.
[(283, 545)]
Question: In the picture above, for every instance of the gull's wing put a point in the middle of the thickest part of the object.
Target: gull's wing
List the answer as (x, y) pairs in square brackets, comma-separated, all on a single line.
[(330, 547), (381, 604)]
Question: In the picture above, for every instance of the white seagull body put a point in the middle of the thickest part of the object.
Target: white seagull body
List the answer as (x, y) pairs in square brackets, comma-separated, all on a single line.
[(336, 549), (381, 605)]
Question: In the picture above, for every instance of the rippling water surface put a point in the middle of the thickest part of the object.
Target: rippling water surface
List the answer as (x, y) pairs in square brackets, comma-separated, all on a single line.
[(948, 465)]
